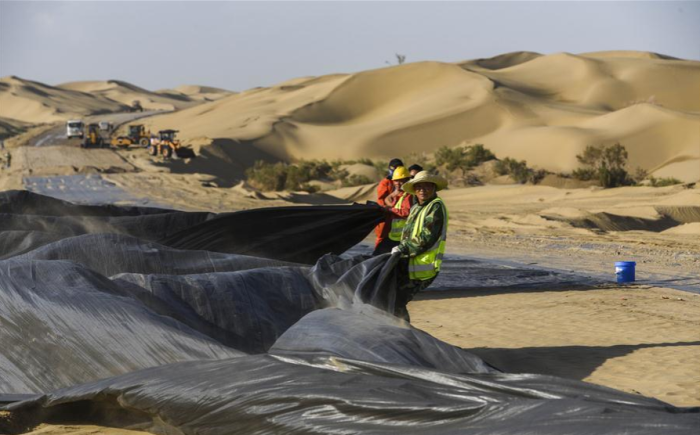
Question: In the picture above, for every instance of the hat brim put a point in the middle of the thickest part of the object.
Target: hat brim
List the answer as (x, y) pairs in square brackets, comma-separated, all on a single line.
[(439, 182)]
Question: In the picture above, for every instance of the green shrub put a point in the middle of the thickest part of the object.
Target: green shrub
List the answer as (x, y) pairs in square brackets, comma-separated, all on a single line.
[(537, 175), (463, 158), (477, 154), (450, 158), (519, 171), (640, 175), (356, 180), (663, 182), (267, 176), (284, 176), (366, 161), (607, 163), (585, 174)]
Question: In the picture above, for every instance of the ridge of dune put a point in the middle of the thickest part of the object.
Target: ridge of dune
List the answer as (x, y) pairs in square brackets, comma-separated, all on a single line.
[(91, 86), (604, 83), (502, 61), (196, 92), (35, 102), (629, 54), (126, 93), (544, 109), (197, 89)]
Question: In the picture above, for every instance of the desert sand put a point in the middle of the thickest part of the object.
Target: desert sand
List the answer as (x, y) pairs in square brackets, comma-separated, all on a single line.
[(542, 108), (636, 339)]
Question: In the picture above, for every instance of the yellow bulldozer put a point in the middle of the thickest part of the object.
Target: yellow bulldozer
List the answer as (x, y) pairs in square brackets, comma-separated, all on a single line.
[(166, 145), (137, 135), (92, 137)]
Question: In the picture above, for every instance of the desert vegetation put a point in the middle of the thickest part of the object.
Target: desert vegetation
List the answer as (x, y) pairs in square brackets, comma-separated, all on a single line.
[(663, 182), (606, 164), (298, 176), (603, 165)]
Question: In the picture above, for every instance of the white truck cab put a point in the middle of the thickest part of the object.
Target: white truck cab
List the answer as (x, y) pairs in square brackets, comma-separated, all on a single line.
[(74, 128)]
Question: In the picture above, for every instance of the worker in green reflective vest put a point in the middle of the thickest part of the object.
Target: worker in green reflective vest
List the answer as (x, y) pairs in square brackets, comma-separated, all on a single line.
[(423, 239)]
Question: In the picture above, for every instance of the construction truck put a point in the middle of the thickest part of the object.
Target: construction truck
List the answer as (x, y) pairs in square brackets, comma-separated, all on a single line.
[(137, 135), (166, 145), (74, 128), (91, 137)]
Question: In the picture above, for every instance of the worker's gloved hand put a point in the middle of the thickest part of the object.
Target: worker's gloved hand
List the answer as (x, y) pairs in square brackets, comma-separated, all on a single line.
[(395, 250)]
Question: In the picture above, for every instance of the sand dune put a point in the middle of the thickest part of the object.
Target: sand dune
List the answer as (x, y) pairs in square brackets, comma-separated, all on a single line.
[(34, 102), (10, 127), (542, 108), (126, 93)]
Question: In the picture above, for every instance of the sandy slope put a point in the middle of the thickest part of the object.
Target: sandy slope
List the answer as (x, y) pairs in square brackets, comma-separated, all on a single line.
[(544, 109), (34, 102), (640, 340), (126, 93)]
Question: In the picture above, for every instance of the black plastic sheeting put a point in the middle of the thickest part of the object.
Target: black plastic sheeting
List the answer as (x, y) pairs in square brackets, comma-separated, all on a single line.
[(298, 234), (123, 317)]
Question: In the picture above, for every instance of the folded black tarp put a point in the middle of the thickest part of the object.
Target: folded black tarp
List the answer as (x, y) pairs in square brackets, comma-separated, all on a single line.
[(175, 335), (297, 234)]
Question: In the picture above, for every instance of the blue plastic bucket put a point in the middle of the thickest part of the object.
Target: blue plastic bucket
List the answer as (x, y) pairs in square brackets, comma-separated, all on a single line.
[(625, 271)]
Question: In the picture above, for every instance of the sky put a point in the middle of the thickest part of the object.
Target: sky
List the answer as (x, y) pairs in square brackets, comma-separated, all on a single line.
[(241, 45)]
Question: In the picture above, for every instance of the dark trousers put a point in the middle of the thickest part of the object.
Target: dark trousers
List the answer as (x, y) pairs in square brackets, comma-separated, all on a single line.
[(406, 289)]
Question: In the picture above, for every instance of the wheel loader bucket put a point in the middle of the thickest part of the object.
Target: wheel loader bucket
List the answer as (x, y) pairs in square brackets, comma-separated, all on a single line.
[(184, 153)]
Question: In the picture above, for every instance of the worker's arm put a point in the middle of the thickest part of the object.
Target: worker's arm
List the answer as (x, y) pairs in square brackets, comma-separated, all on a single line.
[(428, 236), (383, 190), (404, 211), (390, 199)]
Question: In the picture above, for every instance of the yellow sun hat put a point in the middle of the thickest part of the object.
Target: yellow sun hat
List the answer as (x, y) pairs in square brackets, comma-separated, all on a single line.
[(424, 177)]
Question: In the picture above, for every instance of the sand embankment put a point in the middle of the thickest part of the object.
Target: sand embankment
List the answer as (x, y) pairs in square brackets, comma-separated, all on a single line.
[(542, 108)]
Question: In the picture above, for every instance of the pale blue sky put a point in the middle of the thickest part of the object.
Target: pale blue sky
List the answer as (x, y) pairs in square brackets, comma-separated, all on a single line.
[(240, 45)]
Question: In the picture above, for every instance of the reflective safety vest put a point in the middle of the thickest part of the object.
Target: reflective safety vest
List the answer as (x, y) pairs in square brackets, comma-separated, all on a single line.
[(397, 223), (427, 265)]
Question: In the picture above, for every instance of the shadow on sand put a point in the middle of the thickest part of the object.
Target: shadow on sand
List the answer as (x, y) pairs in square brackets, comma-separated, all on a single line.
[(573, 362)]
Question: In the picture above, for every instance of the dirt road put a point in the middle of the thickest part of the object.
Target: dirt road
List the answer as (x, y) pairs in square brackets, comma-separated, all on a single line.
[(56, 136)]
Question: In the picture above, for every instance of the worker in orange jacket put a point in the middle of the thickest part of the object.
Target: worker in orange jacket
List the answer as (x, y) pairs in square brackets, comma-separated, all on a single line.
[(398, 207), (384, 189)]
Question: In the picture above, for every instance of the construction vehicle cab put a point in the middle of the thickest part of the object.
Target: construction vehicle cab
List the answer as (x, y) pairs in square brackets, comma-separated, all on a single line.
[(165, 145), (137, 135), (92, 138)]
